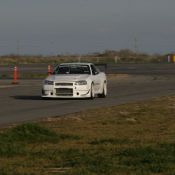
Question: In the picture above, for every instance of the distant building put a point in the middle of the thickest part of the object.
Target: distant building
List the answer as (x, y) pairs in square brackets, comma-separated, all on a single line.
[(170, 58)]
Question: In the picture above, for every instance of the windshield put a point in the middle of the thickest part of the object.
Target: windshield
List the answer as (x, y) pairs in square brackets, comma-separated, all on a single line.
[(72, 69)]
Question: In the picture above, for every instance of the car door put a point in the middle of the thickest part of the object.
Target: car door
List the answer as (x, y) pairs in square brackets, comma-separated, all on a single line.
[(95, 78)]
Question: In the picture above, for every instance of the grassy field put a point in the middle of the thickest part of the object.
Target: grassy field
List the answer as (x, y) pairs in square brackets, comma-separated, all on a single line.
[(134, 139)]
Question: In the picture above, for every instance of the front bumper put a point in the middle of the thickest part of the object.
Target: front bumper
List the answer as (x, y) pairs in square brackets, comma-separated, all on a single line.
[(65, 90)]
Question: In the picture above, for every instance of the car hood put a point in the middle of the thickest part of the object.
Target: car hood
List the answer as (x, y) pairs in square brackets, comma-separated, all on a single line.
[(67, 78)]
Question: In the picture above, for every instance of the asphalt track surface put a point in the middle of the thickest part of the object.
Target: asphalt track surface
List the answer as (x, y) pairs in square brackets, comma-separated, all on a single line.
[(22, 102)]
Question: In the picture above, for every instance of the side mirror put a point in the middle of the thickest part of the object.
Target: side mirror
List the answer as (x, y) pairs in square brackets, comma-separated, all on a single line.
[(94, 73)]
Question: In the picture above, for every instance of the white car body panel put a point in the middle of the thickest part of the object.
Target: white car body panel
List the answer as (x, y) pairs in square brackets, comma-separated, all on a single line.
[(64, 85)]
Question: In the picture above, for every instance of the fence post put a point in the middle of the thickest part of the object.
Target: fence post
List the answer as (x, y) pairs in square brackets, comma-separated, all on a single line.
[(116, 59), (79, 59)]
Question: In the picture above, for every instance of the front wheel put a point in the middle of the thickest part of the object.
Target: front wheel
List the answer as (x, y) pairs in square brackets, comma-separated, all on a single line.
[(104, 92), (92, 92)]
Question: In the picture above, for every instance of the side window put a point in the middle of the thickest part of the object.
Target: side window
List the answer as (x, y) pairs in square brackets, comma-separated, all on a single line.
[(94, 70)]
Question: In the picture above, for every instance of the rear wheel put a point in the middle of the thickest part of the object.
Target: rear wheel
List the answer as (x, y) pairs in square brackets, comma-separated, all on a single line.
[(104, 92)]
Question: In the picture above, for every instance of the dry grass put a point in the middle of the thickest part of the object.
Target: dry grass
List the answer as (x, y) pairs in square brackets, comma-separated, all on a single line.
[(127, 139), (129, 121), (12, 59), (124, 56)]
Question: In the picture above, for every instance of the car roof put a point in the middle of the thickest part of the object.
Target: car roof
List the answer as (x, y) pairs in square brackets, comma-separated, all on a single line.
[(76, 63)]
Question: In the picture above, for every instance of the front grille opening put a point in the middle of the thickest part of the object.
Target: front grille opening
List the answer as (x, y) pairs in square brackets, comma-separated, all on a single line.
[(64, 91), (63, 84)]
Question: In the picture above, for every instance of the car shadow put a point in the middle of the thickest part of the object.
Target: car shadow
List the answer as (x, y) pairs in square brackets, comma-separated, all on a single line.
[(27, 97), (36, 97)]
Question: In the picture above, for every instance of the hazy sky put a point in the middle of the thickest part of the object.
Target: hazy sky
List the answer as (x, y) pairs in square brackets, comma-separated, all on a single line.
[(86, 26)]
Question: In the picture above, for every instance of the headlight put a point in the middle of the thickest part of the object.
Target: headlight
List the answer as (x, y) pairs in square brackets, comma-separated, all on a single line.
[(47, 82), (83, 82)]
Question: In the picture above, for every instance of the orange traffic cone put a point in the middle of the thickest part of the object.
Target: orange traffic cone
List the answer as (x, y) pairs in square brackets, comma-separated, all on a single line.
[(15, 76), (49, 70)]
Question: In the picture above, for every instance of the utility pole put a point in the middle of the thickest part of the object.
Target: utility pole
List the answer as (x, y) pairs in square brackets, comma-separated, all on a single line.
[(135, 45), (18, 47)]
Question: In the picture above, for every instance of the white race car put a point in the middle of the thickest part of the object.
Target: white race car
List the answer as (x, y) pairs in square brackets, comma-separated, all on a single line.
[(75, 80)]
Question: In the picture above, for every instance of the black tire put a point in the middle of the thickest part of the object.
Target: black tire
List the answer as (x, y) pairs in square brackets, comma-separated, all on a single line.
[(104, 93), (92, 91)]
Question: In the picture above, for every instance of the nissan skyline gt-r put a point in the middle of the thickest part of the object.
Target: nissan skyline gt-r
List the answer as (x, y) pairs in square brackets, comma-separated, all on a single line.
[(75, 80)]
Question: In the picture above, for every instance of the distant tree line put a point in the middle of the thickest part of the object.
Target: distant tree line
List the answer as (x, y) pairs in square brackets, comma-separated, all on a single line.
[(108, 56)]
